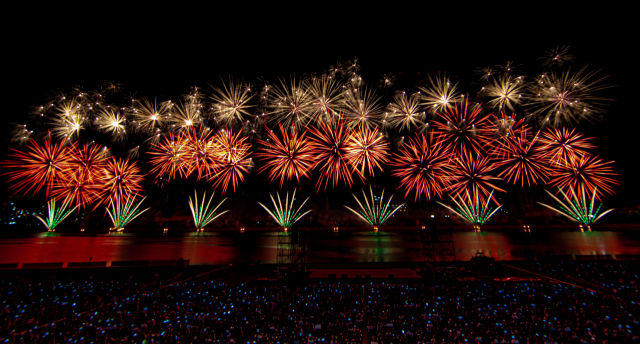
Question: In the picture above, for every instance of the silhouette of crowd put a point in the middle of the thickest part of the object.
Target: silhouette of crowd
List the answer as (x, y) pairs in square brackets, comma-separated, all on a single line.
[(200, 310)]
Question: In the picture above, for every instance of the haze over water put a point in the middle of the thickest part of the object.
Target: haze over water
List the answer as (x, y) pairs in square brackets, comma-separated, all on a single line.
[(321, 247)]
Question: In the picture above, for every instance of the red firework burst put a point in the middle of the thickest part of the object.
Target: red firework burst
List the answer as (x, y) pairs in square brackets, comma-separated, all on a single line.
[(120, 179), (473, 172), (564, 145), (88, 161), (464, 129), (38, 166), (330, 140), (523, 160), (233, 155), (366, 149), (288, 157), (169, 158), (503, 128), (200, 152), (585, 173), (76, 188), (423, 166)]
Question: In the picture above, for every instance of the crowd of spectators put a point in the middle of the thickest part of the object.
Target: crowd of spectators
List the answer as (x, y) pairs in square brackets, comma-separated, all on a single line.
[(489, 312), (203, 311), (618, 276), (319, 313)]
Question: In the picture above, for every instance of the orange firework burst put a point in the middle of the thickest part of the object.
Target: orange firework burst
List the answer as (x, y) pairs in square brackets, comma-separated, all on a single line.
[(76, 188), (88, 161), (366, 149), (329, 142), (38, 166), (523, 160), (473, 172), (424, 166), (585, 173), (288, 157), (120, 179), (564, 145), (465, 129), (233, 154), (503, 128), (169, 157), (200, 152)]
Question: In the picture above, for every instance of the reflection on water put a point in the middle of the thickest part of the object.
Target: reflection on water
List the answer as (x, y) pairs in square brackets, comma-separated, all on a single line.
[(321, 247)]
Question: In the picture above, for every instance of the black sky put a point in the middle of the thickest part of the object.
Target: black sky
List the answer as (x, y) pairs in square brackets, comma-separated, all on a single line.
[(162, 51)]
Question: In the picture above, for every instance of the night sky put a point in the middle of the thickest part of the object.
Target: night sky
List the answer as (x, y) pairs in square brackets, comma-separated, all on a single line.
[(162, 51)]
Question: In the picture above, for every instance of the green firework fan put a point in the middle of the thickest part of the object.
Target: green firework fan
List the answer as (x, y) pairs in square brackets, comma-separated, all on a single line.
[(55, 215), (285, 215), (373, 211), (473, 208), (123, 211), (579, 209), (202, 211)]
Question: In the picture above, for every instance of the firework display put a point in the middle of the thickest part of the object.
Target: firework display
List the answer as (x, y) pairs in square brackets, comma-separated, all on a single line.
[(374, 210), (91, 148), (286, 215), (424, 165), (202, 212), (124, 210), (473, 208), (578, 207), (55, 215), (288, 157)]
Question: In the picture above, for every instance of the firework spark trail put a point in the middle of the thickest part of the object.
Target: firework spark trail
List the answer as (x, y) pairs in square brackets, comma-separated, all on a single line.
[(202, 213), (286, 158), (578, 208), (168, 158), (38, 166), (523, 161), (506, 92), (440, 95), (55, 215), (150, 115), (404, 112), (374, 212), (424, 166), (566, 98), (502, 129), (201, 153), (326, 97), (120, 178), (362, 107), (68, 120), (113, 123), (586, 173), (471, 173), (232, 102), (291, 104), (330, 141), (366, 150), (88, 160), (286, 215), (77, 188), (183, 115), (464, 129), (233, 154), (557, 57), (123, 211), (564, 145), (473, 208)]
